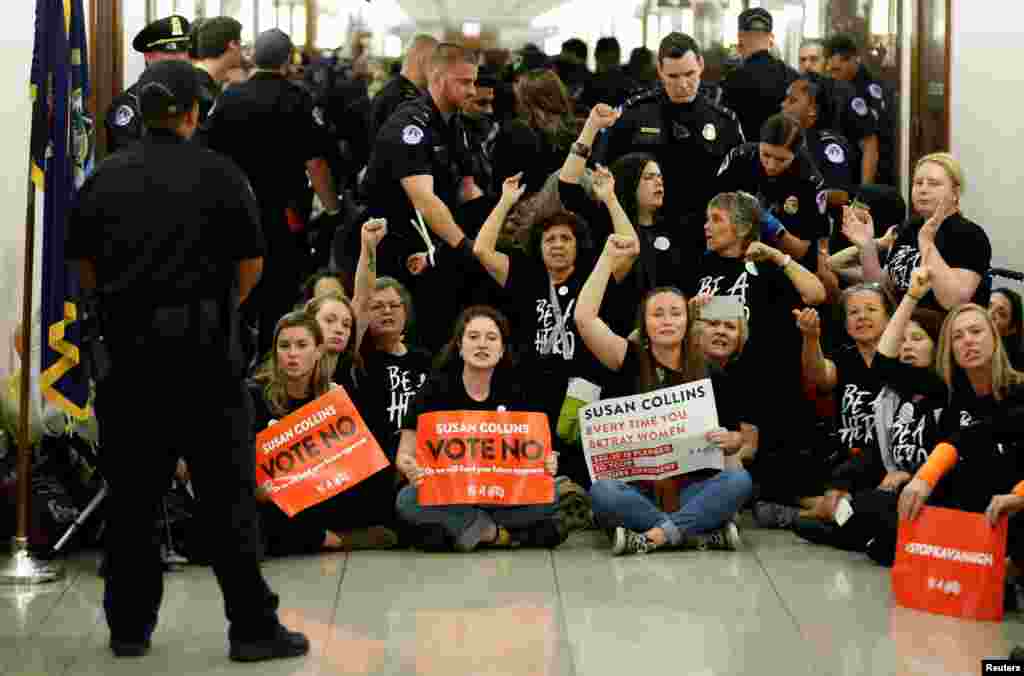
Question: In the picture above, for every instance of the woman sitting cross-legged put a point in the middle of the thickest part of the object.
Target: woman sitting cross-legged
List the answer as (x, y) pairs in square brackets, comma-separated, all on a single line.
[(358, 518), (475, 374), (663, 357)]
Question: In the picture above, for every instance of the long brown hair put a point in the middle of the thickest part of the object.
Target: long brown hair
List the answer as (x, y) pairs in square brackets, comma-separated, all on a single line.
[(275, 391), (1003, 375), (545, 106), (313, 308), (694, 366)]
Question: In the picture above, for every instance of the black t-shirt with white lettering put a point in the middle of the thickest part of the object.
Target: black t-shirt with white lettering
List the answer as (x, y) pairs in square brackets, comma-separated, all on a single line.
[(961, 243), (772, 352), (552, 360), (445, 391), (385, 391), (856, 390), (907, 413)]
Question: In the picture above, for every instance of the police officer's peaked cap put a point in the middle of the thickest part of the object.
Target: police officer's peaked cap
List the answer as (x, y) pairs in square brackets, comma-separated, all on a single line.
[(756, 19), (168, 88), (170, 34)]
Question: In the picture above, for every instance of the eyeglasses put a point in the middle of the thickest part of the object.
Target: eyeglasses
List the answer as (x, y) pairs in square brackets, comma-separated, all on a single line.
[(380, 307)]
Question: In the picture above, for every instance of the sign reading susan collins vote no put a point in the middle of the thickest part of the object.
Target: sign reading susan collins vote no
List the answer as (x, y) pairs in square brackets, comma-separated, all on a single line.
[(315, 453)]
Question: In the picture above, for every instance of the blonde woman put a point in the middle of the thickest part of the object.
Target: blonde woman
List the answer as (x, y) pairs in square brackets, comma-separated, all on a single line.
[(956, 250)]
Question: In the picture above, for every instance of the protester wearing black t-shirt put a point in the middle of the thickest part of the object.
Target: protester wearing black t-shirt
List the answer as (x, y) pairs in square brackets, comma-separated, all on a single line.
[(907, 413), (783, 177), (476, 374), (956, 251), (663, 358), (848, 374), (297, 374), (542, 287)]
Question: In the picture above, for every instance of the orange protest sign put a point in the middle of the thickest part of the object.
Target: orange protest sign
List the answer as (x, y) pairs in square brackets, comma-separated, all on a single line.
[(484, 457), (315, 453), (951, 562)]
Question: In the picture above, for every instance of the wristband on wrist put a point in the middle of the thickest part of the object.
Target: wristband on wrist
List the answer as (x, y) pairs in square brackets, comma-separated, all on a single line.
[(786, 261)]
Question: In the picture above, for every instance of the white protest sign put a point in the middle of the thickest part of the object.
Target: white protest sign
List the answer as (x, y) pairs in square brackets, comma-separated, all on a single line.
[(653, 435)]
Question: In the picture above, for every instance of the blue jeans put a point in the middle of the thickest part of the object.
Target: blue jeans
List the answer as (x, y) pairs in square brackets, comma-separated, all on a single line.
[(705, 505), (467, 523)]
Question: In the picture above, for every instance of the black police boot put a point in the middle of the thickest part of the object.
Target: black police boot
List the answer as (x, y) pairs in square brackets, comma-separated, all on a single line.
[(546, 534), (283, 643), (130, 648)]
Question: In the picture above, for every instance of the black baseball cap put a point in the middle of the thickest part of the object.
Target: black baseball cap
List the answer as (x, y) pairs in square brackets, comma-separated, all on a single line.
[(273, 49), (756, 19), (168, 88), (170, 34)]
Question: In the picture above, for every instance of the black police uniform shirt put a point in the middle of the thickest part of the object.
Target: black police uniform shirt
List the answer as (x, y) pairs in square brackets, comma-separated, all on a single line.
[(961, 243), (124, 120), (881, 103), (689, 140), (385, 389), (857, 387), (756, 90), (270, 127), (797, 197), (907, 413), (165, 221), (854, 121), (417, 140), (445, 391), (772, 350), (397, 91), (833, 158)]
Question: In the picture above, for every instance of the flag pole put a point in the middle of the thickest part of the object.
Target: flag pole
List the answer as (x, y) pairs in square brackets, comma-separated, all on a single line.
[(20, 567)]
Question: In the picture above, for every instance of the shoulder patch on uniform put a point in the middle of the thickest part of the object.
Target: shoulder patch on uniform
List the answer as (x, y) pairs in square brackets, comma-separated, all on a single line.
[(318, 116), (123, 116), (822, 200), (412, 135), (875, 90), (835, 153), (859, 106)]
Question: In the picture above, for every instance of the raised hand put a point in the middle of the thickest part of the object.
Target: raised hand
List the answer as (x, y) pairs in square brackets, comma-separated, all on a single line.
[(373, 232), (808, 321), (858, 226), (619, 247), (920, 282), (602, 116), (512, 189), (604, 184)]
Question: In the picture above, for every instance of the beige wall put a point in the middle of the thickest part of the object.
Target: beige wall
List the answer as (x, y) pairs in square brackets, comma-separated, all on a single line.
[(16, 36), (987, 91)]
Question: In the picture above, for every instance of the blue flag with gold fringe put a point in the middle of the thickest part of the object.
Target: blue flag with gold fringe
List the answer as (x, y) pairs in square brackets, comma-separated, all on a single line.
[(61, 157)]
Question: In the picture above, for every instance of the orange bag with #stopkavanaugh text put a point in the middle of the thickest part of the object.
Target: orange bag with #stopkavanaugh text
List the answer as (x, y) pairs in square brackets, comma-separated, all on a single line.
[(484, 458), (951, 562), (315, 453)]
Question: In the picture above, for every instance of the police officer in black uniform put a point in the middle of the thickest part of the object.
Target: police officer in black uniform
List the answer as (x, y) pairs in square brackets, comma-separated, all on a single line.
[(167, 234), (270, 127), (414, 180), (686, 132), (779, 172), (166, 39), (810, 101), (410, 84), (756, 89), (871, 98)]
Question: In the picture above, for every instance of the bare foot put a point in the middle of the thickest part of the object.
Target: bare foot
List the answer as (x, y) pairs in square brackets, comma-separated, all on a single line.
[(657, 537)]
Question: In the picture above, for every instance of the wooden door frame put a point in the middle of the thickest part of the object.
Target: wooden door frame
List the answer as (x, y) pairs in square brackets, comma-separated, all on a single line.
[(106, 63)]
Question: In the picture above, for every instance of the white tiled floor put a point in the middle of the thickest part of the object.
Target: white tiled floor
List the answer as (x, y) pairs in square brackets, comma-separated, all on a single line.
[(780, 606)]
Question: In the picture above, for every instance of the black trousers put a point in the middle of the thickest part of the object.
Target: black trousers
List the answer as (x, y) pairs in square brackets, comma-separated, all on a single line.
[(145, 425), (369, 503)]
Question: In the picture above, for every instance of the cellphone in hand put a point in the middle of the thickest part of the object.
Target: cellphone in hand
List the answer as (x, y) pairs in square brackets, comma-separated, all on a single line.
[(721, 308)]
